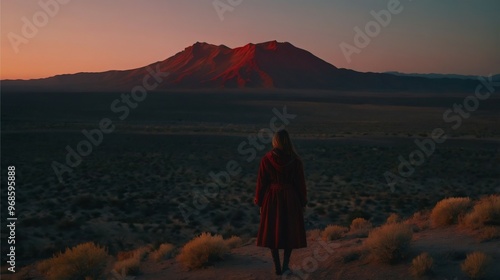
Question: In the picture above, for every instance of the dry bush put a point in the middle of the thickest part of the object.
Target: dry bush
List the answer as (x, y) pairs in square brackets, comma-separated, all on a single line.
[(202, 250), (389, 243), (129, 262), (486, 211), (421, 265), (129, 266), (164, 251), (83, 261), (234, 242), (360, 227), (419, 221), (489, 233), (476, 265), (333, 232), (393, 218), (449, 210)]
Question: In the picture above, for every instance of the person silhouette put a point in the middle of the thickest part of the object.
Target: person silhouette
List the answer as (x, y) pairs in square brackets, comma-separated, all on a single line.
[(281, 194)]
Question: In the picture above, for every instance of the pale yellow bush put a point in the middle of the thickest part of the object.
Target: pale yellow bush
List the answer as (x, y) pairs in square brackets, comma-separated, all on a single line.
[(234, 242), (130, 266), (489, 233), (393, 218), (389, 243), (333, 232), (449, 210), (130, 262), (86, 260), (164, 251), (202, 250), (476, 265), (421, 265), (360, 227), (486, 211), (419, 220)]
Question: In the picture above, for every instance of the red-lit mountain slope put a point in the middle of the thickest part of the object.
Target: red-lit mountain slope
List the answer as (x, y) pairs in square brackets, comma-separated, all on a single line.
[(265, 65)]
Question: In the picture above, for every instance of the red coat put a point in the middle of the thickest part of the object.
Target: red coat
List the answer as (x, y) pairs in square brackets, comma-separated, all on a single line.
[(281, 194)]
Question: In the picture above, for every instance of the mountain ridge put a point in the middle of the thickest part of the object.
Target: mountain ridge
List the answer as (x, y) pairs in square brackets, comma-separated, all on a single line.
[(267, 65)]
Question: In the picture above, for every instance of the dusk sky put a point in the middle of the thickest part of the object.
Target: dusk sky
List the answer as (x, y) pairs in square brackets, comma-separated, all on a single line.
[(460, 37)]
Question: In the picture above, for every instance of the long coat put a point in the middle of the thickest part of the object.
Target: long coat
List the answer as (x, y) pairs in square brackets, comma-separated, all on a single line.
[(281, 194)]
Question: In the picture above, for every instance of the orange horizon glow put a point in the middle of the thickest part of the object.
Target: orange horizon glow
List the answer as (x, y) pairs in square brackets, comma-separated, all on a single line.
[(96, 36)]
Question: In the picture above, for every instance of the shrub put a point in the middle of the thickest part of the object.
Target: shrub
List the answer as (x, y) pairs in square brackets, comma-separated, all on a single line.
[(449, 210), (234, 242), (202, 250), (421, 265), (486, 211), (360, 226), (393, 218), (389, 243), (489, 233), (129, 266), (83, 261), (419, 221), (475, 265), (164, 251), (129, 262), (333, 232)]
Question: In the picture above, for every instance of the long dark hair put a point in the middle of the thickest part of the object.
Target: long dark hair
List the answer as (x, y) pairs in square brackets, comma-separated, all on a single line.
[(282, 141)]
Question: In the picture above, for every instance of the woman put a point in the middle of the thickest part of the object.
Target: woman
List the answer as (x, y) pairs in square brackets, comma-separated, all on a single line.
[(282, 197)]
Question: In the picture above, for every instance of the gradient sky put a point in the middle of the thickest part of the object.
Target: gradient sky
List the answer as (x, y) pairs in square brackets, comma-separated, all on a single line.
[(427, 36)]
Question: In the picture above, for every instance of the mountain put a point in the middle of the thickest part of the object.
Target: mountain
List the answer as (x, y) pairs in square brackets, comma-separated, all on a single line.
[(265, 65)]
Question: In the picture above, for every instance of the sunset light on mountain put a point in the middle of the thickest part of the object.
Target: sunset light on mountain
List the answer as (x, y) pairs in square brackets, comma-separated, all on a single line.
[(249, 139), (60, 37)]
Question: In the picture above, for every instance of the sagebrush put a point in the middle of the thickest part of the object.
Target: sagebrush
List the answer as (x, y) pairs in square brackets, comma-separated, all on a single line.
[(333, 232), (449, 210), (202, 250), (419, 221), (129, 262), (476, 265), (486, 212), (421, 265), (360, 227), (84, 261), (164, 251), (234, 242), (389, 243), (393, 218)]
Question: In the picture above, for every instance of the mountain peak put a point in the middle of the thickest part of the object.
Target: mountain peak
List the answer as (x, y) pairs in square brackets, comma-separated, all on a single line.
[(269, 64), (272, 45)]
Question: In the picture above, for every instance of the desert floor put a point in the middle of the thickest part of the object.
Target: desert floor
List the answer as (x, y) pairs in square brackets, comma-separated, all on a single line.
[(327, 260), (129, 191)]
